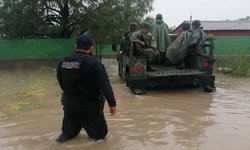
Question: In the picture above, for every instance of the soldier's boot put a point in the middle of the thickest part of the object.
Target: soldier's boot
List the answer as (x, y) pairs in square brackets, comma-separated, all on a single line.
[(151, 68), (168, 63), (62, 138), (181, 65)]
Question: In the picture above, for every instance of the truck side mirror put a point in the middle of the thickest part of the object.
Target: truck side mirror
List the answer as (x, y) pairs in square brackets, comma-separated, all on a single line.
[(114, 47)]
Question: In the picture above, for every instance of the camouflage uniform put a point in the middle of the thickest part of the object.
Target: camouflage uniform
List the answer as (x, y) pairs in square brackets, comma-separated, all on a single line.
[(148, 50)]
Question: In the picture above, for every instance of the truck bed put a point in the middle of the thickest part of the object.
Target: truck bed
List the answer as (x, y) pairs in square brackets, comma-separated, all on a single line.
[(171, 70)]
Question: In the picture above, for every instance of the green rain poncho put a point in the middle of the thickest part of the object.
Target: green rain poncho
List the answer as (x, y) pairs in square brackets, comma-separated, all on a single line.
[(160, 32), (179, 49)]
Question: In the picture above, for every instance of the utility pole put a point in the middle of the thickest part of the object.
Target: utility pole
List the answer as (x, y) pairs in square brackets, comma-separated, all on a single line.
[(191, 18)]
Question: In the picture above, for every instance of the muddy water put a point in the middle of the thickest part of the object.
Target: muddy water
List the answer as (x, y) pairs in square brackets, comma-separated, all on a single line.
[(179, 119)]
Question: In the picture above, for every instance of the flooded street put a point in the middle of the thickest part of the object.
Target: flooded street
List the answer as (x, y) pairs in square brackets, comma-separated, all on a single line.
[(174, 119)]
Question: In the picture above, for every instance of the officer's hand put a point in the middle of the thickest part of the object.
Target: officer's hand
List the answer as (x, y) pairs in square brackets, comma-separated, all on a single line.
[(112, 111)]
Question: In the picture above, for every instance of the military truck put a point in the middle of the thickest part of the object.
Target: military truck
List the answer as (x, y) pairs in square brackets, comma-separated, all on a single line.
[(198, 70)]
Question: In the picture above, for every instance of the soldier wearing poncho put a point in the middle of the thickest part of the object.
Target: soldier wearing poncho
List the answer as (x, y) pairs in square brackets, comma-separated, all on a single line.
[(160, 32), (187, 42)]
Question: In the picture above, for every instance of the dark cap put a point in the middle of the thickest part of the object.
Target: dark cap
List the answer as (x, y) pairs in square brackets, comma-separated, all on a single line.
[(159, 17), (196, 23), (132, 25), (145, 25), (186, 26), (84, 40)]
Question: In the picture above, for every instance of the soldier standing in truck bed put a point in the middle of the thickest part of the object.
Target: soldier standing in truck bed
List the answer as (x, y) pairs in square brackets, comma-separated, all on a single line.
[(187, 42), (126, 43), (160, 32)]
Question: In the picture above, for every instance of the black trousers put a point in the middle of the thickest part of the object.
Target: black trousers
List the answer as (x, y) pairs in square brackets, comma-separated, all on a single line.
[(92, 120)]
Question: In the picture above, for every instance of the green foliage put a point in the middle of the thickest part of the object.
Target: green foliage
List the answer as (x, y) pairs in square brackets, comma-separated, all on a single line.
[(150, 19), (240, 66), (20, 19), (105, 19)]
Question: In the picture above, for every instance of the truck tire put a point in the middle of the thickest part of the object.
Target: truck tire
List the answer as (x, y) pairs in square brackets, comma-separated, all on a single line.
[(119, 70), (207, 83), (127, 77)]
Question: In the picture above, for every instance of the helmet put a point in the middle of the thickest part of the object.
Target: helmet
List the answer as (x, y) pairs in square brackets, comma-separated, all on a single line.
[(84, 40), (196, 23), (158, 17), (132, 25), (186, 26), (145, 25)]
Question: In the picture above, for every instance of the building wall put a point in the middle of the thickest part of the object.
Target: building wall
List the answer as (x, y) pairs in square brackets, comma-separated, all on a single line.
[(178, 30), (229, 33)]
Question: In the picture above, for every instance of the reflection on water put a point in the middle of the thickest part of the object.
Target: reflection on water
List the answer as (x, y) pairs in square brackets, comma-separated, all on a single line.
[(180, 119)]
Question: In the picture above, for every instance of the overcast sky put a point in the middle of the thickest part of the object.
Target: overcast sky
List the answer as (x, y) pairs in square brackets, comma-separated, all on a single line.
[(176, 11)]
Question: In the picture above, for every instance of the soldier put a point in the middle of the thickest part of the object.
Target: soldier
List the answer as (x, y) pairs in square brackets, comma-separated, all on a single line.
[(160, 32), (186, 26), (126, 44), (132, 29), (84, 82), (198, 38), (145, 45), (187, 42), (177, 50)]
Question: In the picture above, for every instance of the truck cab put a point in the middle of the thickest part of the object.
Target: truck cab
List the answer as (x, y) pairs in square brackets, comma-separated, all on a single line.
[(198, 70)]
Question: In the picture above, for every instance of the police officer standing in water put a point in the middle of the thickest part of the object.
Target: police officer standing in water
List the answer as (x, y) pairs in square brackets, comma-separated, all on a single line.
[(84, 82)]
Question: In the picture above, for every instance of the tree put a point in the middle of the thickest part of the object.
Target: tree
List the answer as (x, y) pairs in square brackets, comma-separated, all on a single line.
[(247, 18), (20, 18), (110, 20), (64, 18)]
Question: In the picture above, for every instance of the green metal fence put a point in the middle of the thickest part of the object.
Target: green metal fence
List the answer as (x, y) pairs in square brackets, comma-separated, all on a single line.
[(35, 48), (40, 48), (232, 46), (58, 48)]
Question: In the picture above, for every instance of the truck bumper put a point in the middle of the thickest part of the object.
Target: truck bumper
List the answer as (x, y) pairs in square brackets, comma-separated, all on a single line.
[(174, 80)]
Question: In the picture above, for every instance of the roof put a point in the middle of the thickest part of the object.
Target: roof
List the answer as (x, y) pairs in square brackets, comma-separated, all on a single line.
[(225, 25)]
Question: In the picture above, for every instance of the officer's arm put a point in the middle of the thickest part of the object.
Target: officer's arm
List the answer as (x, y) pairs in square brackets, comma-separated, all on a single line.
[(104, 85), (58, 75)]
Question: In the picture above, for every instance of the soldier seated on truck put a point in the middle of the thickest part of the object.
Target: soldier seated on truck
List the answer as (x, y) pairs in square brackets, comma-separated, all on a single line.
[(145, 45), (187, 42)]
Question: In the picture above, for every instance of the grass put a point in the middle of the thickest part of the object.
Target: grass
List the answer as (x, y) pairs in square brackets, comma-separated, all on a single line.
[(31, 89), (19, 106), (240, 66), (26, 95), (3, 115)]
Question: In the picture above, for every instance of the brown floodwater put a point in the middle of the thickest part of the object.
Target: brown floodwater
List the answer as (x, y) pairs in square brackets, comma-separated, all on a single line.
[(176, 119)]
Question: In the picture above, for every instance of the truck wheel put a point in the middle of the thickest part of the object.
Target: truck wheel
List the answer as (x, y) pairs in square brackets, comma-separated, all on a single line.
[(207, 83), (119, 70), (127, 77)]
